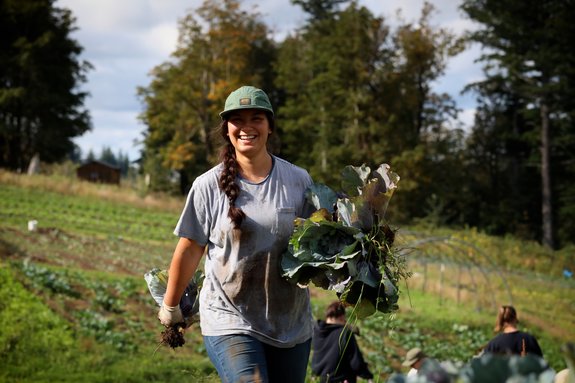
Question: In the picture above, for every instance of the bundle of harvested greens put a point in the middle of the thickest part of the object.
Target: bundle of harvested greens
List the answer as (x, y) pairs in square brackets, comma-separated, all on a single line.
[(346, 245), (157, 281)]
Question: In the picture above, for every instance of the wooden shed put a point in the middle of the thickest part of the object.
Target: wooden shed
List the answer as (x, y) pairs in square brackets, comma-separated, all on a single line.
[(98, 171)]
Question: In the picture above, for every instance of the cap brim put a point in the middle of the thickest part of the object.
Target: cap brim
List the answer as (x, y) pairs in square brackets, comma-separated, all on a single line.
[(224, 113)]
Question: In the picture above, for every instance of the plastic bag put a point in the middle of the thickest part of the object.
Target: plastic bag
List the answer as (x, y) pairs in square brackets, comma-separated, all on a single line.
[(157, 281)]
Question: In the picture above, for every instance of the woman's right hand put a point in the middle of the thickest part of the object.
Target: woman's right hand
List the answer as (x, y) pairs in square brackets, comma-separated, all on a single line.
[(170, 315)]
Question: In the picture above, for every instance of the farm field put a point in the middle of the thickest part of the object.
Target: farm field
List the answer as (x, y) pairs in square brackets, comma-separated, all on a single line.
[(74, 305)]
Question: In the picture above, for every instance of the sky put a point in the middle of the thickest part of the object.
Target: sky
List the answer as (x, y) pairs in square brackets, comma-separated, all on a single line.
[(124, 40)]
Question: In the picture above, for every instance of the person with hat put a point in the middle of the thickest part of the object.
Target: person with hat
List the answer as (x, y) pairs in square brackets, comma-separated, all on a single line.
[(256, 325), (414, 359), (424, 366)]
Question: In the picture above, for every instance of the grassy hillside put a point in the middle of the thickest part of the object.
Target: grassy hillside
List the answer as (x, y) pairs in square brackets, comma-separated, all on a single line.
[(74, 305)]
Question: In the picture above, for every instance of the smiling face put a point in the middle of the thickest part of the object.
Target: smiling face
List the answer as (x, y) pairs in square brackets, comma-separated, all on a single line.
[(248, 131)]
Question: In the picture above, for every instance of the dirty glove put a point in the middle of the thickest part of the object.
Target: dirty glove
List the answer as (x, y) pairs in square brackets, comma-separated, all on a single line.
[(170, 315)]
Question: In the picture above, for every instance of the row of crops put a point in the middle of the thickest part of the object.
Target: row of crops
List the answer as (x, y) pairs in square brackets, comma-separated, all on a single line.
[(83, 214), (97, 285)]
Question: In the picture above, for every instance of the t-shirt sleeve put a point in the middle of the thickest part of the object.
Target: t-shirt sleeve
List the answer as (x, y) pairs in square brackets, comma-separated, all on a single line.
[(194, 222), (534, 347), (490, 346)]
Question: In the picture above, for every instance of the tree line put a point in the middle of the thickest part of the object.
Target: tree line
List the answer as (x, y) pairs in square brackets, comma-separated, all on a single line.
[(120, 160), (350, 88), (41, 106)]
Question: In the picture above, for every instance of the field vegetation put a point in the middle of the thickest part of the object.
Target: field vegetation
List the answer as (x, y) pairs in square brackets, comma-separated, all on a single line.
[(74, 305)]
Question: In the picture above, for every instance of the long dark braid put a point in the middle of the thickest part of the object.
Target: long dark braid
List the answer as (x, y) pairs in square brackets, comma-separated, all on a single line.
[(228, 185), (227, 180)]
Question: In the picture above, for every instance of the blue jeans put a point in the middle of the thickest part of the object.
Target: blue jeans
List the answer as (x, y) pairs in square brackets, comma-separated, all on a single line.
[(242, 358)]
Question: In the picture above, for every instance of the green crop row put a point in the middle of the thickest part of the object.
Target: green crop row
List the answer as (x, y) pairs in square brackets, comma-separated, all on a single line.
[(83, 214), (37, 343), (81, 277)]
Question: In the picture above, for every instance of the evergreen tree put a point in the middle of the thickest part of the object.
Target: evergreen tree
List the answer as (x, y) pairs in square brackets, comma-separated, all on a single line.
[(75, 155), (41, 109), (529, 60), (503, 198), (108, 156), (356, 93), (422, 141), (319, 9), (90, 156), (123, 161), (328, 71)]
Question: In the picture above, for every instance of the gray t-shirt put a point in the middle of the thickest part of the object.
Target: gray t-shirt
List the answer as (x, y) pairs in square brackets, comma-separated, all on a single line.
[(244, 292)]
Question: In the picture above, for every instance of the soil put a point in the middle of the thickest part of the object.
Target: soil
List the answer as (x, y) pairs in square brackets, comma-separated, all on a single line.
[(173, 336)]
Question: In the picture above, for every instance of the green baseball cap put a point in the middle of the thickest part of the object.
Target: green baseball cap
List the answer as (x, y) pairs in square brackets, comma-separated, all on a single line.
[(247, 97)]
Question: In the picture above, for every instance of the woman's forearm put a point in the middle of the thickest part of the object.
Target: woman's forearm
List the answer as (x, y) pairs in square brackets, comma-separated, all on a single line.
[(184, 264)]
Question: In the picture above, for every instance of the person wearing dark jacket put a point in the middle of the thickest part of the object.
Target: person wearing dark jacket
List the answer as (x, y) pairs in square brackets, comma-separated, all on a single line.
[(510, 340), (336, 355)]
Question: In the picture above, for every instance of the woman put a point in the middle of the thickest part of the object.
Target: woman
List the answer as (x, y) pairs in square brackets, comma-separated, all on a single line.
[(336, 354), (511, 340), (256, 325)]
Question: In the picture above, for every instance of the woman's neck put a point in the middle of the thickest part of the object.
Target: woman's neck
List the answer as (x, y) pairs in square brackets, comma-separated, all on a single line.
[(337, 320), (509, 328), (255, 169)]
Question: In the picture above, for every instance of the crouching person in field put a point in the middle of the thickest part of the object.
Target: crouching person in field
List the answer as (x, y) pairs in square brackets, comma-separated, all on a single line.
[(336, 355)]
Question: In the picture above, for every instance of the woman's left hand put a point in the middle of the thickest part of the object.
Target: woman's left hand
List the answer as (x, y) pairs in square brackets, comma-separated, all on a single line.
[(170, 315)]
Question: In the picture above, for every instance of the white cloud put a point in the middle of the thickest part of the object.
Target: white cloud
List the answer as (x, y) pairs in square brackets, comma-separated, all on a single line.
[(116, 130), (160, 40), (464, 65), (102, 16), (467, 117), (110, 28)]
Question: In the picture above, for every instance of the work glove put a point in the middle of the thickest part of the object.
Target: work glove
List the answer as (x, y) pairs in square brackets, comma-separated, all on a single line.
[(170, 315)]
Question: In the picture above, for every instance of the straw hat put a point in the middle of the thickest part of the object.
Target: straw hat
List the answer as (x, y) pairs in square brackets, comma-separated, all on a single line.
[(412, 356)]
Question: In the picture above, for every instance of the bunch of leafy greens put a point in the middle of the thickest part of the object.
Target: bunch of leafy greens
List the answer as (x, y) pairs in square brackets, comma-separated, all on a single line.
[(485, 368), (157, 281), (346, 245)]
